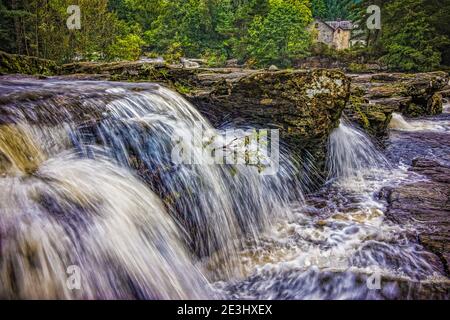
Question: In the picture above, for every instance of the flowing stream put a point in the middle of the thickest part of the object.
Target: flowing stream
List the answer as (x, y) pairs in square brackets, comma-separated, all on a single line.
[(340, 243), (90, 180)]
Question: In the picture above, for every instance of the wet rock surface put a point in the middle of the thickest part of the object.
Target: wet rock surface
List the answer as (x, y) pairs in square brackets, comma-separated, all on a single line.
[(296, 285), (426, 205), (32, 100), (374, 97)]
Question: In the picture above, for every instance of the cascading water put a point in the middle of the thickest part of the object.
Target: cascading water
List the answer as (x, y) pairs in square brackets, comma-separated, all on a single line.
[(340, 240), (99, 218), (112, 226), (422, 137), (216, 204), (351, 153)]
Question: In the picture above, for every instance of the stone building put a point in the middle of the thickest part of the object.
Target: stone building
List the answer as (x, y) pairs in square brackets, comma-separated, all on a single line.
[(334, 33)]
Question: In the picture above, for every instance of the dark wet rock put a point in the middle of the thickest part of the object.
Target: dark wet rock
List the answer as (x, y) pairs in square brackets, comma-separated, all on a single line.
[(374, 97), (374, 118), (426, 205), (19, 64), (351, 64), (232, 63), (423, 107), (37, 100), (445, 92), (404, 146)]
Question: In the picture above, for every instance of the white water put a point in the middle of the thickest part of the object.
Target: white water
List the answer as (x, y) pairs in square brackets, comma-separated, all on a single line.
[(218, 204), (98, 217), (398, 122), (76, 179), (446, 108), (351, 153), (330, 248)]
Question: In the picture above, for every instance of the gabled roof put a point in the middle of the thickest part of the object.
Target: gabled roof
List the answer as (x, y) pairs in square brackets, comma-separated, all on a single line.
[(324, 23), (343, 24)]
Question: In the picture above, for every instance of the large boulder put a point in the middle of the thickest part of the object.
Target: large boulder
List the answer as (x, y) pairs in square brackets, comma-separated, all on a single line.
[(426, 205), (304, 105)]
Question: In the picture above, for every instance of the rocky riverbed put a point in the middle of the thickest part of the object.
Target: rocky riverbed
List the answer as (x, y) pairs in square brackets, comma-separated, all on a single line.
[(375, 97)]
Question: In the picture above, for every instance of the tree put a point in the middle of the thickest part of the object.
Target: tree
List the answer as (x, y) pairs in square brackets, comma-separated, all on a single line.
[(439, 20), (38, 27), (318, 8), (126, 47), (410, 41), (282, 35), (338, 9)]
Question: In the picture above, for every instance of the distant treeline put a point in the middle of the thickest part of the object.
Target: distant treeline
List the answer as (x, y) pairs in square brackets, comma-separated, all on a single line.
[(414, 34)]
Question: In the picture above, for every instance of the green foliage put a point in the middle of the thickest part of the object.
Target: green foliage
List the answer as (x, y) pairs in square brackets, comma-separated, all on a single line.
[(414, 35), (282, 35), (174, 52), (318, 8), (333, 9), (408, 40), (126, 47), (215, 58), (38, 28)]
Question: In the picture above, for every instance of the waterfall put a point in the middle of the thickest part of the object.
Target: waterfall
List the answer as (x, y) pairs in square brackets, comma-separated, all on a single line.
[(446, 108), (215, 203), (351, 153), (68, 212), (91, 181)]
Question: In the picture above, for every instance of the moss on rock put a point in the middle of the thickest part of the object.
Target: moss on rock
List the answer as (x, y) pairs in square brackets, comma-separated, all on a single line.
[(19, 64), (375, 97)]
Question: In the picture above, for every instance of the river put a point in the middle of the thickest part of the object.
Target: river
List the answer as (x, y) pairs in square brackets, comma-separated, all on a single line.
[(89, 180)]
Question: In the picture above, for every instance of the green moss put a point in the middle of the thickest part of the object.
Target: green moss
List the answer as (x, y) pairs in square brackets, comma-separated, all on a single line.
[(356, 103), (182, 88), (357, 68), (17, 64)]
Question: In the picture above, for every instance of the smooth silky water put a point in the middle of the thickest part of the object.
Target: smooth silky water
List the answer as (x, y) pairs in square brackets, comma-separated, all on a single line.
[(89, 179), (339, 243)]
